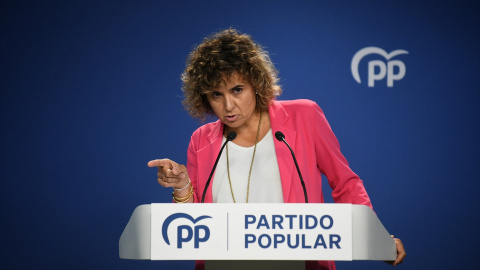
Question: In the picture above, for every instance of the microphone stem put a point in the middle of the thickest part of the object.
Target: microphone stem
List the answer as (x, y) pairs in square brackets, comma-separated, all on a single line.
[(298, 170), (211, 173)]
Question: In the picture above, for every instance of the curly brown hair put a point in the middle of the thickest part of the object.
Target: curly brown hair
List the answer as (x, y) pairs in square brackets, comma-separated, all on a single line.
[(225, 53)]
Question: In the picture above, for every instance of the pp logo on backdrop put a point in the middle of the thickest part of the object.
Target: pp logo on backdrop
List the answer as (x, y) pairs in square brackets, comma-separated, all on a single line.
[(186, 233), (394, 70)]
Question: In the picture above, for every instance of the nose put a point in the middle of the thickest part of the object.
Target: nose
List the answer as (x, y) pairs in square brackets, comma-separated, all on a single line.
[(229, 103)]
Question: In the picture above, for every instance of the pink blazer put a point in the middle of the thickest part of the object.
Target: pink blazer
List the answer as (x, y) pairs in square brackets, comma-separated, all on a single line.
[(317, 150)]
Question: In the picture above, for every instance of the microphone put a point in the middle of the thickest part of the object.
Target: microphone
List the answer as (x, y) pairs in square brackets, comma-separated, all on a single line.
[(230, 137), (281, 137)]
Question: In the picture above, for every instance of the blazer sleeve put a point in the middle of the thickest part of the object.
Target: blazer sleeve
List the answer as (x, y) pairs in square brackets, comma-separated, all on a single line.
[(192, 168), (346, 186)]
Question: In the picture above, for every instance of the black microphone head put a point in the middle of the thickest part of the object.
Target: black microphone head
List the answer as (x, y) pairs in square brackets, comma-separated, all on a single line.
[(279, 135), (231, 136)]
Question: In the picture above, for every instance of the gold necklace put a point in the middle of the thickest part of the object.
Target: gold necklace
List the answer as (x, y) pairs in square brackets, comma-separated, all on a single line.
[(251, 165)]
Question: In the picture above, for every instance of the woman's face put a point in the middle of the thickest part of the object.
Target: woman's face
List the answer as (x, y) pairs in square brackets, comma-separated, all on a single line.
[(234, 102)]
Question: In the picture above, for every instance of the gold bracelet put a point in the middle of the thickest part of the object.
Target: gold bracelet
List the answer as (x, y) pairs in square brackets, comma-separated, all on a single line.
[(179, 201), (184, 199)]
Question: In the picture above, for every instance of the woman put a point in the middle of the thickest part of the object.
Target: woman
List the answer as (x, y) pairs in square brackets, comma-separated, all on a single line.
[(232, 78)]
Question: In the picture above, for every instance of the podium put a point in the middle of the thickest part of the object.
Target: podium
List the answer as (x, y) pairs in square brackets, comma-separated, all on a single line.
[(232, 235)]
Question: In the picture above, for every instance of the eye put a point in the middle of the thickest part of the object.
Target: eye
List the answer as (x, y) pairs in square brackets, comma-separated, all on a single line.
[(216, 94), (237, 90)]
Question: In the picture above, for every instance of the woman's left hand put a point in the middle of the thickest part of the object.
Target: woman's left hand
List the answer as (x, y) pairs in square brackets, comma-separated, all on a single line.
[(400, 252)]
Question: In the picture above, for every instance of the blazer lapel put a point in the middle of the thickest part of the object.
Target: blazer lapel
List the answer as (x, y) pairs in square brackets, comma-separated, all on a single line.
[(285, 161), (206, 156)]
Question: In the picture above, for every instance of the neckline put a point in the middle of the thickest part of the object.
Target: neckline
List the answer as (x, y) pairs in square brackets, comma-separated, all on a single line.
[(233, 144)]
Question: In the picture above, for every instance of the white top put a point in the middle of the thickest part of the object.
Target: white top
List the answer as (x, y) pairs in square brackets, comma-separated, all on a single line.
[(265, 184)]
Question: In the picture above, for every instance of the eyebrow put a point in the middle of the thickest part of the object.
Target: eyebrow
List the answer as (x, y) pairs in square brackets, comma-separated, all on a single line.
[(237, 86)]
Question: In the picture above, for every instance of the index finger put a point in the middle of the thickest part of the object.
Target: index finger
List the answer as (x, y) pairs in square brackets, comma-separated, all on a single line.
[(159, 163)]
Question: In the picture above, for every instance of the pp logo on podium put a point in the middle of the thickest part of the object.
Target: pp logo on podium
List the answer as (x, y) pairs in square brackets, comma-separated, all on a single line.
[(394, 70), (186, 233)]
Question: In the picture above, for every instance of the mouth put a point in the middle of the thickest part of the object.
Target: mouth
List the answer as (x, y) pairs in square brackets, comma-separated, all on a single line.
[(231, 118)]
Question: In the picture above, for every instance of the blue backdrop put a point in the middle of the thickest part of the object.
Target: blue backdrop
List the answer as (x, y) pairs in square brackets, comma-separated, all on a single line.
[(90, 91)]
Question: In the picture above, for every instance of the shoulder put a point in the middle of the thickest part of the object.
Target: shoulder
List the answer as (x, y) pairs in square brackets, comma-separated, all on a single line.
[(206, 129), (206, 134), (297, 106)]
